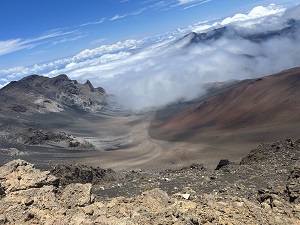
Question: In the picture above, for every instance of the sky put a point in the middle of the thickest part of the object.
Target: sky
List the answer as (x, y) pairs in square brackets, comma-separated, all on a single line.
[(123, 45), (35, 31)]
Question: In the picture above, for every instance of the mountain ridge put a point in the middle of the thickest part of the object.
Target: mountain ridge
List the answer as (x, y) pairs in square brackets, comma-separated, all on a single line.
[(39, 94), (217, 33)]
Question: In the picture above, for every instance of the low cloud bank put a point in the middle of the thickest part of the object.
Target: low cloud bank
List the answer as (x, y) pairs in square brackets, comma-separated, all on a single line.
[(167, 72), (162, 75)]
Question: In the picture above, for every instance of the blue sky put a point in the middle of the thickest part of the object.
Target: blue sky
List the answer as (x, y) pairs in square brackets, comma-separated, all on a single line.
[(35, 31)]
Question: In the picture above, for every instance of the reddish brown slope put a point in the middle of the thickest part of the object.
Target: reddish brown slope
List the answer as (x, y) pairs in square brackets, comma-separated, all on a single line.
[(268, 102)]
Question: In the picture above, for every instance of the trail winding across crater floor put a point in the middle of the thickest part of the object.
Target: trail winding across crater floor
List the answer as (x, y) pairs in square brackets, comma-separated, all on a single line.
[(143, 152)]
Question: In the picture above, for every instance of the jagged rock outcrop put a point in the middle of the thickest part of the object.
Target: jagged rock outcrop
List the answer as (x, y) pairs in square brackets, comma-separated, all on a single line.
[(82, 174), (38, 94), (34, 197)]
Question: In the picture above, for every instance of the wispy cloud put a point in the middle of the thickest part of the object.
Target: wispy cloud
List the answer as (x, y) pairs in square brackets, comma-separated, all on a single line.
[(196, 4), (182, 2), (138, 12), (117, 17), (68, 39), (98, 41), (190, 3), (91, 23), (13, 45), (160, 5)]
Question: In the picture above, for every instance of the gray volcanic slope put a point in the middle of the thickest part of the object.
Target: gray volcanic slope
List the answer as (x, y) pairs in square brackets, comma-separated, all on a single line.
[(38, 94)]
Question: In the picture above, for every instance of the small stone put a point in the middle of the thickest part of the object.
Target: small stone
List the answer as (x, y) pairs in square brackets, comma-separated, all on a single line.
[(297, 208), (222, 163), (277, 203), (240, 204), (30, 216), (186, 196), (28, 201), (89, 211), (3, 219)]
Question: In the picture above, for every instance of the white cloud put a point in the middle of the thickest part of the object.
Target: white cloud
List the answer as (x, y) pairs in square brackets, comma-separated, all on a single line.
[(100, 55), (90, 53), (162, 74), (293, 13), (255, 13), (259, 19)]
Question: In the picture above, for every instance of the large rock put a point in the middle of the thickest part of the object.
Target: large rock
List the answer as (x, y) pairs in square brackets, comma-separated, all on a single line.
[(82, 174), (222, 163), (21, 175), (293, 184), (76, 195)]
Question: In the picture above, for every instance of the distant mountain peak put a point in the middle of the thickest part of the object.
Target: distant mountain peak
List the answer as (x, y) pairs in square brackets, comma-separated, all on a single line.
[(228, 31), (89, 84), (61, 77)]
